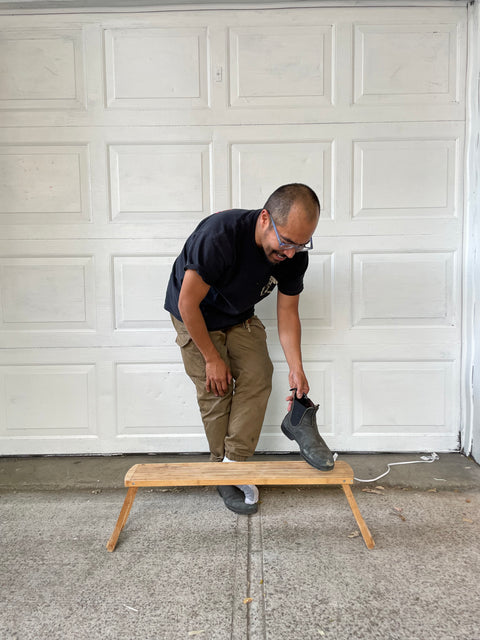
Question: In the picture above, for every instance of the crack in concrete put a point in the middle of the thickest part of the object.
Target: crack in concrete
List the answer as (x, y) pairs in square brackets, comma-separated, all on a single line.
[(256, 620)]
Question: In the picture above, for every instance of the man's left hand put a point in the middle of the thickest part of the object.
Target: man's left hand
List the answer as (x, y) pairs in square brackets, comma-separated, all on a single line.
[(298, 381)]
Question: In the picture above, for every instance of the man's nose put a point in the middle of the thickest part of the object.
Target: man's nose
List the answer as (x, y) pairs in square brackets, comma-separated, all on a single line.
[(289, 252)]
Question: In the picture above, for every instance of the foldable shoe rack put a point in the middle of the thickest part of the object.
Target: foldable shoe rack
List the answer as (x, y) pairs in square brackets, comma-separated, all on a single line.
[(201, 474)]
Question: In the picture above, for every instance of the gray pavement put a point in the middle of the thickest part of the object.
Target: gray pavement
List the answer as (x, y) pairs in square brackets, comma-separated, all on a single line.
[(186, 567)]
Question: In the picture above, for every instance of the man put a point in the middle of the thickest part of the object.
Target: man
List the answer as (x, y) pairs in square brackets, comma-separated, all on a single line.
[(230, 262)]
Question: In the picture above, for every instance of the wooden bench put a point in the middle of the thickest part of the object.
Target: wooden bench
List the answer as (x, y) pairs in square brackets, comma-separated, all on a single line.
[(194, 474)]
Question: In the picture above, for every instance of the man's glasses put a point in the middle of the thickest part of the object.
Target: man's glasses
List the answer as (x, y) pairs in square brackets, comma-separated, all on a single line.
[(290, 245)]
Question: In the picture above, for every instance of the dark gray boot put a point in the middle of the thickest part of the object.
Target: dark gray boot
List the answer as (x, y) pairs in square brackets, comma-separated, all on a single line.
[(300, 424), (234, 500)]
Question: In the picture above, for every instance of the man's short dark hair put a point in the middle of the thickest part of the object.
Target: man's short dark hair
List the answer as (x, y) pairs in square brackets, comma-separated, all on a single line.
[(283, 198)]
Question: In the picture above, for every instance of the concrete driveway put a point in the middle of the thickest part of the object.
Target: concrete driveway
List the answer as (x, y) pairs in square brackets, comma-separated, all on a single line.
[(186, 567)]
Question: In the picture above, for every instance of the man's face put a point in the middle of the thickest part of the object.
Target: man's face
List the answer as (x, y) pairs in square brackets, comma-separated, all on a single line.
[(298, 230)]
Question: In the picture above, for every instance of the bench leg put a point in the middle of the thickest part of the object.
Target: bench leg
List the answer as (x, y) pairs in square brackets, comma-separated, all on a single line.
[(367, 536), (122, 518)]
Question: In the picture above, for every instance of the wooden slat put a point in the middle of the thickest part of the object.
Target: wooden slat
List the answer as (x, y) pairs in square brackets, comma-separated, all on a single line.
[(189, 474)]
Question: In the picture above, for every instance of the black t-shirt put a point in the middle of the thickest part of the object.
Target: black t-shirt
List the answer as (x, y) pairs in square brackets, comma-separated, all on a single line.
[(222, 250)]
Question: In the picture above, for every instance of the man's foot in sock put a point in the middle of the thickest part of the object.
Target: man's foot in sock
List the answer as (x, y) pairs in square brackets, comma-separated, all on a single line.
[(250, 491)]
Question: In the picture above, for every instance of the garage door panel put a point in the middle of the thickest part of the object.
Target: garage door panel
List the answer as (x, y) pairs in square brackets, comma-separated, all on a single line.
[(157, 68), (404, 289), (281, 66), (404, 397), (44, 184), (406, 64), (47, 293), (42, 69), (48, 400), (405, 178), (159, 181)]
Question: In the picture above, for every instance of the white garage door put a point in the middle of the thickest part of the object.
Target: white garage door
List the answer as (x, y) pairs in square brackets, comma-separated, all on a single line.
[(120, 132)]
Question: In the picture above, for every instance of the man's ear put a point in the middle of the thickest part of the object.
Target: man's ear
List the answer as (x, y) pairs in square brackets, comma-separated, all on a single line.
[(264, 218)]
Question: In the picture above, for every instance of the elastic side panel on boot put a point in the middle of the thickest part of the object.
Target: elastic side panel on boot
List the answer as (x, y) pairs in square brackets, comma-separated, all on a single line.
[(297, 412), (298, 407)]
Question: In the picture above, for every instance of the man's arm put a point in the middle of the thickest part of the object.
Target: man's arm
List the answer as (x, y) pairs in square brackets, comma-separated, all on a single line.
[(193, 291), (289, 331)]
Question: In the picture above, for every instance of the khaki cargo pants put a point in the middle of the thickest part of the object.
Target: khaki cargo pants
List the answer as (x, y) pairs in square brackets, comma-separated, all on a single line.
[(232, 422)]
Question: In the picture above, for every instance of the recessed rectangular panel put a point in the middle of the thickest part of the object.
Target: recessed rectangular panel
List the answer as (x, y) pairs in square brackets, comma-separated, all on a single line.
[(47, 400), (47, 293), (404, 289), (405, 178), (140, 286), (44, 184), (408, 397), (158, 182), (316, 298), (406, 64), (258, 168), (154, 398), (281, 66), (157, 68), (41, 69)]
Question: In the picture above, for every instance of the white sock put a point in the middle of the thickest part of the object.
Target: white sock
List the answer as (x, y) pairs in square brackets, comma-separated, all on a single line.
[(250, 490)]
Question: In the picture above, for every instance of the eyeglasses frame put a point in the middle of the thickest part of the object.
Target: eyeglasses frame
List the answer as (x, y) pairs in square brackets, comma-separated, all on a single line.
[(290, 245)]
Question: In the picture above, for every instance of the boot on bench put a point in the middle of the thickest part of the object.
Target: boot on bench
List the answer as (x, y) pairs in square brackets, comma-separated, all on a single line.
[(300, 424)]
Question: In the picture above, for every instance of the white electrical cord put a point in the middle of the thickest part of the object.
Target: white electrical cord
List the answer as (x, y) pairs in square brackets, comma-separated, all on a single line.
[(431, 458)]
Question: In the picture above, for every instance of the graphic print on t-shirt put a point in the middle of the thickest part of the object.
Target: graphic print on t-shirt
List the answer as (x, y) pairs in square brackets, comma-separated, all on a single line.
[(269, 287)]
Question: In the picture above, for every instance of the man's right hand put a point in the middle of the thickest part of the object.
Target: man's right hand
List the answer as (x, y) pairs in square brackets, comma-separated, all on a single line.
[(219, 377)]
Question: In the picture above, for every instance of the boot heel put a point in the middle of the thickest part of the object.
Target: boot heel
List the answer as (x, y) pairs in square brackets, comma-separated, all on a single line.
[(287, 433)]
